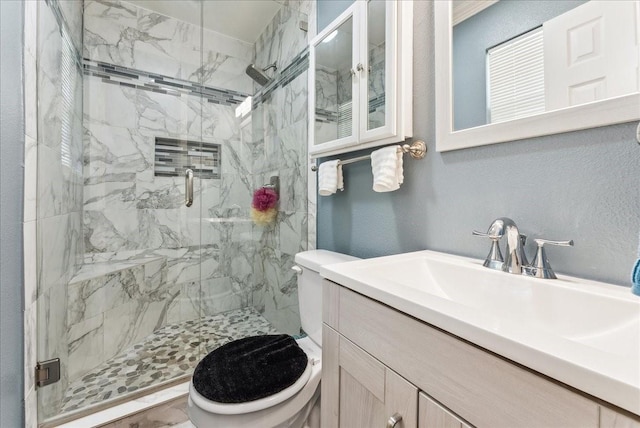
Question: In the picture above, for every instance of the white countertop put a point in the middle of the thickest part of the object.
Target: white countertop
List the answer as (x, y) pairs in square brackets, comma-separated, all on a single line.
[(580, 332)]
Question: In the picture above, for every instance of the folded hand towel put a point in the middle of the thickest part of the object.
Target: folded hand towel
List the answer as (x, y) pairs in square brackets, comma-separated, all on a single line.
[(330, 177), (386, 165)]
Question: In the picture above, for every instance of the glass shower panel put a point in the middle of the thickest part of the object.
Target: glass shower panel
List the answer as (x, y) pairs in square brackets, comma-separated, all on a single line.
[(229, 270), (119, 251), (261, 126)]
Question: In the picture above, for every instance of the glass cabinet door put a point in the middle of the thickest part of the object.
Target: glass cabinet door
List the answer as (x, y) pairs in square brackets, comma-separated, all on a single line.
[(334, 86), (376, 64), (379, 76), (361, 78)]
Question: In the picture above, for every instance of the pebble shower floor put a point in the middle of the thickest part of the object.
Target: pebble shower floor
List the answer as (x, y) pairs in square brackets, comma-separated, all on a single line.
[(170, 352)]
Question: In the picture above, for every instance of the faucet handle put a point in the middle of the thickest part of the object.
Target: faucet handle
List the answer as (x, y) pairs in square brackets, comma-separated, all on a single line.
[(540, 267), (541, 242), (494, 259)]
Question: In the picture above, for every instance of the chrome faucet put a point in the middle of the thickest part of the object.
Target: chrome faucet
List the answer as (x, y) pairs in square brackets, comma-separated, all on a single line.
[(516, 259), (515, 256)]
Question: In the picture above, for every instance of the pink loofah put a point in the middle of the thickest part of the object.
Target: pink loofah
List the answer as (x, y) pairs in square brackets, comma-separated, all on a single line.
[(264, 199)]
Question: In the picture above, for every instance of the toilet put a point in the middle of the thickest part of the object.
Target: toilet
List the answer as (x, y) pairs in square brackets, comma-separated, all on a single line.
[(295, 406)]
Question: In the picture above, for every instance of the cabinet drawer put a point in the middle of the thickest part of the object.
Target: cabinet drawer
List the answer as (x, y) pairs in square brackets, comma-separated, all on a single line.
[(484, 389)]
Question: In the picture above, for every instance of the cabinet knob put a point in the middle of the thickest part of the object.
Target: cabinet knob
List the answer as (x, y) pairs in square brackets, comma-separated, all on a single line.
[(393, 420)]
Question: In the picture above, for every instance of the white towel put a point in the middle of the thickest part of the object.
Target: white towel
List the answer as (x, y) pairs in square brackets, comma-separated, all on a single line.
[(386, 165), (330, 177)]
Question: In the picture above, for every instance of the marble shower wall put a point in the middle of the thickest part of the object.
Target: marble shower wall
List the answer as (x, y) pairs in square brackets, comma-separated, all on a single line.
[(278, 141), (59, 183)]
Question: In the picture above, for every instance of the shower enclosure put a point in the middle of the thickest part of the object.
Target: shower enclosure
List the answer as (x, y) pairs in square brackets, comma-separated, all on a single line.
[(142, 104)]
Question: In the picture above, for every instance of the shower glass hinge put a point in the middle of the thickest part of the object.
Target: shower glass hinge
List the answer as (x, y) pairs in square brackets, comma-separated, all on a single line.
[(47, 372)]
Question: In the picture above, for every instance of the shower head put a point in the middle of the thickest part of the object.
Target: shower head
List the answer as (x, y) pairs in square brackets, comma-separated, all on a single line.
[(259, 75)]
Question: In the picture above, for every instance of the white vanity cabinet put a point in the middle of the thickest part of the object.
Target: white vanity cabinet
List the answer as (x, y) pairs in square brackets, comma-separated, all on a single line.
[(360, 78), (378, 361)]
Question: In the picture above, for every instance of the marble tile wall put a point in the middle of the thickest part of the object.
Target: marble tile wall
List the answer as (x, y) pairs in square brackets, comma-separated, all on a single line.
[(278, 140), (120, 33), (283, 39), (56, 176)]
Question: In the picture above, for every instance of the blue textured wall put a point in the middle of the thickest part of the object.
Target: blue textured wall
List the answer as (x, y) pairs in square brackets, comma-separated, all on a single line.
[(11, 178), (582, 185)]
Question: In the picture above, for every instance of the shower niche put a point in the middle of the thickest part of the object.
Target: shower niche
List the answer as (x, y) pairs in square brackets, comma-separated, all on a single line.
[(173, 156)]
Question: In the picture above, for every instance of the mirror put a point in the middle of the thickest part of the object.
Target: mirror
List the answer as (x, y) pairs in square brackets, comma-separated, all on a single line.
[(376, 32), (507, 70), (334, 94)]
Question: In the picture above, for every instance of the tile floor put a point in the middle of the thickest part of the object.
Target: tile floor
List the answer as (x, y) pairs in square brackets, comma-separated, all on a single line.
[(168, 353)]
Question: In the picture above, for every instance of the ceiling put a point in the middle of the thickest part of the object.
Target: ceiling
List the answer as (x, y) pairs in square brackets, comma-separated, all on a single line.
[(241, 19)]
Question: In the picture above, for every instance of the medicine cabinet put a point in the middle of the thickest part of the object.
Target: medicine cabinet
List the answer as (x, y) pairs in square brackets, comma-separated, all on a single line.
[(360, 78)]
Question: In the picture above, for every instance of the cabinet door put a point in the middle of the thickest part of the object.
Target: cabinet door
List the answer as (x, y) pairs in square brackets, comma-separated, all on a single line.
[(360, 78), (377, 70), (612, 419), (333, 84), (433, 415), (360, 392)]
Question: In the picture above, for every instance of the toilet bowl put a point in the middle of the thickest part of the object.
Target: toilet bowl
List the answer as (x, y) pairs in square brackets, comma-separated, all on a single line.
[(297, 405)]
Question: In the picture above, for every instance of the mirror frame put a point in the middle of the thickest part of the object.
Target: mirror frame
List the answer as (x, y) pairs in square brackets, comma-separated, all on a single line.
[(592, 115)]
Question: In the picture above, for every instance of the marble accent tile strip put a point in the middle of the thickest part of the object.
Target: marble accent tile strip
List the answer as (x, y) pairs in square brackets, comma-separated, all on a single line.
[(172, 157), (132, 78), (153, 82), (65, 32)]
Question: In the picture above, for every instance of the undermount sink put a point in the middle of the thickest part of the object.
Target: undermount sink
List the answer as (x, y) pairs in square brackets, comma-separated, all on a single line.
[(584, 333)]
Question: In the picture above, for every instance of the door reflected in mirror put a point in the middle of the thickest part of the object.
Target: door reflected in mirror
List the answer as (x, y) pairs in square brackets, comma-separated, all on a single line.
[(516, 58)]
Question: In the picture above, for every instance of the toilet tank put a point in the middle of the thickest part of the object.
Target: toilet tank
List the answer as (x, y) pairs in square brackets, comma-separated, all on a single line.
[(310, 288)]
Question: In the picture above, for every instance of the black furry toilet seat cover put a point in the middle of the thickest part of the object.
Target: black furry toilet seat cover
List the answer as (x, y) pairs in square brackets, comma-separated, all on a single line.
[(249, 369)]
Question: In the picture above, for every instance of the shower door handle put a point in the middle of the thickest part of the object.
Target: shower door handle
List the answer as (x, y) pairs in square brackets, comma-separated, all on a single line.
[(188, 187)]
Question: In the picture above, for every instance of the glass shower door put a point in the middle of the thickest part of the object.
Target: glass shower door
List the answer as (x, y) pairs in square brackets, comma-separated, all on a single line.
[(119, 249)]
